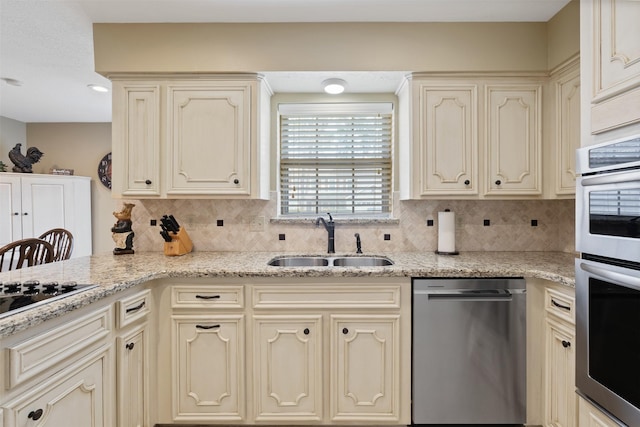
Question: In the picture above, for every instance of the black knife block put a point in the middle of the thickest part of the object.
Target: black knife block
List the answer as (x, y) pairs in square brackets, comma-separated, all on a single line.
[(180, 243)]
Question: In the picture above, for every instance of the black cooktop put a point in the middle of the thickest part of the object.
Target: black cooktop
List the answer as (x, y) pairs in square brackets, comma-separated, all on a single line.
[(19, 296)]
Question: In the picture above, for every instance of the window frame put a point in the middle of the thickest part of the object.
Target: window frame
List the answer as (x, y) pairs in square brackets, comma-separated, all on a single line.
[(344, 108)]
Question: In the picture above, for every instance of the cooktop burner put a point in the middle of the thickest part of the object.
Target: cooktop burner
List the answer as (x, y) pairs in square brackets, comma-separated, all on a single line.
[(18, 296)]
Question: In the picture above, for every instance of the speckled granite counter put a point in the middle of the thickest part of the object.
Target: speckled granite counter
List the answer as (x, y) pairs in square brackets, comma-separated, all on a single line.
[(116, 273)]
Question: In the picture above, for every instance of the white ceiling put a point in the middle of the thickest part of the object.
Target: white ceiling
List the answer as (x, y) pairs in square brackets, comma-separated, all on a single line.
[(48, 45)]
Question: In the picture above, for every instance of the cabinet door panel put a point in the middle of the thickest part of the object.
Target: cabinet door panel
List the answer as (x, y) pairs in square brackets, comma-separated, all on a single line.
[(208, 367), (513, 140), (365, 363), (449, 140), (208, 150), (10, 209), (560, 378), (567, 132), (75, 401), (133, 390), (288, 367)]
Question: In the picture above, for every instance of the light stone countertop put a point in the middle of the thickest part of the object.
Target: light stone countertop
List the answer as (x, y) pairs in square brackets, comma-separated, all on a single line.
[(116, 273)]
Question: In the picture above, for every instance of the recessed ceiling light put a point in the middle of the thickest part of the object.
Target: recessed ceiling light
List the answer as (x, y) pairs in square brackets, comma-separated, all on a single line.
[(98, 88), (12, 82), (334, 86)]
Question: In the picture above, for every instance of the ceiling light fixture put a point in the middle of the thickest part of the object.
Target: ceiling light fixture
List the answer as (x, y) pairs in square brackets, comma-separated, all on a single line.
[(12, 82), (98, 88), (334, 86)]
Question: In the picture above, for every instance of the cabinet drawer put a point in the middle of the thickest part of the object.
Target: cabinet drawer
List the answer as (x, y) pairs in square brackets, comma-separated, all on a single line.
[(204, 296), (329, 296), (560, 305), (58, 346), (132, 308)]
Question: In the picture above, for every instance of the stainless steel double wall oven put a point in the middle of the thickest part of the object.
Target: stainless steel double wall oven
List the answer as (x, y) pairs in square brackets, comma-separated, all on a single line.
[(608, 277)]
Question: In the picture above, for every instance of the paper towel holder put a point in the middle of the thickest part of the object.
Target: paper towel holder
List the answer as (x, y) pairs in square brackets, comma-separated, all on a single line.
[(444, 252)]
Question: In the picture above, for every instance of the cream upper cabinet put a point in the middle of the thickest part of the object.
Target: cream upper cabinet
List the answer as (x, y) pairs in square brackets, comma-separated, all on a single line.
[(198, 137), (609, 43), (564, 135), (448, 148), (136, 139), (472, 136), (513, 124)]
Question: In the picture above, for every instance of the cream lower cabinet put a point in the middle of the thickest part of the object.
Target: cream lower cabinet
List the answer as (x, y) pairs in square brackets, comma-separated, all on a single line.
[(75, 398), (330, 352), (590, 416), (59, 373), (133, 360), (208, 371), (288, 379), (560, 391), (365, 368)]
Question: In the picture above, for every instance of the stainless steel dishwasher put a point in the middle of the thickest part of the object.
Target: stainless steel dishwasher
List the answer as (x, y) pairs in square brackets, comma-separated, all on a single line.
[(469, 351)]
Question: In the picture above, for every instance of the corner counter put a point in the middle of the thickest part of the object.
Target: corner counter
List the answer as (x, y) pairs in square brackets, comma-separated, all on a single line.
[(117, 273)]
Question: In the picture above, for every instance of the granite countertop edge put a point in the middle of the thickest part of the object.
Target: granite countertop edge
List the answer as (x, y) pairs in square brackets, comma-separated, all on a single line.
[(114, 274)]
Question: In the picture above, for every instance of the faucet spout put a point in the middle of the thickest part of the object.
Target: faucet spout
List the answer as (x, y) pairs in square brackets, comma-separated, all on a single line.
[(330, 227)]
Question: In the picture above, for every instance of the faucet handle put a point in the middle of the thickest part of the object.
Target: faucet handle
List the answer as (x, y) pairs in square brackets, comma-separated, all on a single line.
[(330, 217)]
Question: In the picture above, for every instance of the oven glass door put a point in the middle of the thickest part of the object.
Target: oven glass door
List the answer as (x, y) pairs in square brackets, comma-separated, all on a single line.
[(608, 215), (608, 301)]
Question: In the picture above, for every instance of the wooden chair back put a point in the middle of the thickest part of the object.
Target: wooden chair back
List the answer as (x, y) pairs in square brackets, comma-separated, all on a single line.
[(25, 253), (62, 242)]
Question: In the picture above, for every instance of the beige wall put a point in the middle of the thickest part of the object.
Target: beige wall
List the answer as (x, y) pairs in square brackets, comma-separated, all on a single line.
[(211, 47), (563, 33), (79, 146)]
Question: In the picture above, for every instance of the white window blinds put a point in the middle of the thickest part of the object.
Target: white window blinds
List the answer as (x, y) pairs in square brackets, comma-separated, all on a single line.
[(335, 158)]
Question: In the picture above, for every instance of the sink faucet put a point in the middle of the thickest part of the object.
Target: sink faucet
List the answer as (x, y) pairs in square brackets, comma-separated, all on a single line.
[(358, 243), (330, 227)]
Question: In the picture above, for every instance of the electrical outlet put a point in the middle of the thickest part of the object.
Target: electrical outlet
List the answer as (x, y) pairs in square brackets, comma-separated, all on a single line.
[(257, 223)]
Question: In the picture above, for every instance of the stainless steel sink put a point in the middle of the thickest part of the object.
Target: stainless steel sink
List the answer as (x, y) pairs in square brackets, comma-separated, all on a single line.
[(362, 261), (320, 261), (299, 261)]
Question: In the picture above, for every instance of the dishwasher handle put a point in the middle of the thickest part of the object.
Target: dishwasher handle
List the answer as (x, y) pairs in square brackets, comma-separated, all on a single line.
[(470, 295)]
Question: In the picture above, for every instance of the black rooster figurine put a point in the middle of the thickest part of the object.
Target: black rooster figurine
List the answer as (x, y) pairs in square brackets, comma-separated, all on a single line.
[(22, 163)]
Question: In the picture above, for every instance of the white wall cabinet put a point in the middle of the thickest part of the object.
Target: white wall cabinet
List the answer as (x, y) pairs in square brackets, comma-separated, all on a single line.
[(178, 137), (31, 204), (470, 137)]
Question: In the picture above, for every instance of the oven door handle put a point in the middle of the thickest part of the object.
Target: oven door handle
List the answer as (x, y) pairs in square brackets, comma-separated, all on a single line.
[(611, 178), (611, 275)]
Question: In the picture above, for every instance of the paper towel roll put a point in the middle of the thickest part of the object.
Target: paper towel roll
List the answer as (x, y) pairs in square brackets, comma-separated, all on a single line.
[(447, 232)]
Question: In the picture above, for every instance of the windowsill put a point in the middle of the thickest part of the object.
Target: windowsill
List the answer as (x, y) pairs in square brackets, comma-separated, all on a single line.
[(338, 221)]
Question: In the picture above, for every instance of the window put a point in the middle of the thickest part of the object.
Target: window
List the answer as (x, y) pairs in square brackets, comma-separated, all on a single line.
[(335, 158)]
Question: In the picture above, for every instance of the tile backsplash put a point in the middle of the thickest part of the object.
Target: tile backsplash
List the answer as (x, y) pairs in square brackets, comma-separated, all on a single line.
[(232, 225)]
